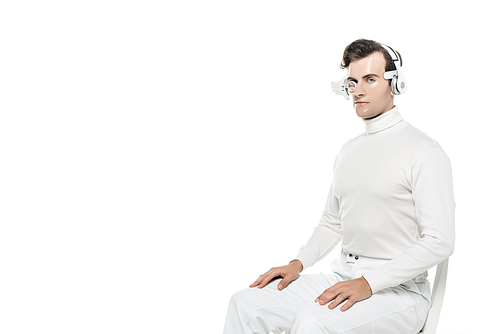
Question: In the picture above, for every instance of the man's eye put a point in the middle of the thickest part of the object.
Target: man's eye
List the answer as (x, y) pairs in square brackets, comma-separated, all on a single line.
[(370, 80)]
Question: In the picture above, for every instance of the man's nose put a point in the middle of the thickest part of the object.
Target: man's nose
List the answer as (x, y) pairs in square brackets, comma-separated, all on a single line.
[(360, 89)]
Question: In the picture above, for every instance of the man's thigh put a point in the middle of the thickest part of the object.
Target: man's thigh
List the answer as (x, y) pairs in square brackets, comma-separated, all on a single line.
[(388, 311), (279, 307)]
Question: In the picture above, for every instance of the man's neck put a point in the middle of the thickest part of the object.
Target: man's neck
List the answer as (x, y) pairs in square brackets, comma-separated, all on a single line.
[(368, 118)]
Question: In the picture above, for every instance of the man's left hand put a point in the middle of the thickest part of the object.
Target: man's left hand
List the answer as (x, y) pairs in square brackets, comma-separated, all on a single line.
[(353, 291)]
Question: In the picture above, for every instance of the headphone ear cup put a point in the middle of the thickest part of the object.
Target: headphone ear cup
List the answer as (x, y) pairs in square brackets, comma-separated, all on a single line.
[(394, 86)]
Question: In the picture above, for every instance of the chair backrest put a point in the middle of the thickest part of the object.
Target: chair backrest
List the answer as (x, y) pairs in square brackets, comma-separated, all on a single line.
[(437, 297)]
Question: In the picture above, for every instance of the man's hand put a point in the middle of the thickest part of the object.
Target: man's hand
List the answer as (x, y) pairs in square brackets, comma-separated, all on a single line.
[(353, 290), (289, 273)]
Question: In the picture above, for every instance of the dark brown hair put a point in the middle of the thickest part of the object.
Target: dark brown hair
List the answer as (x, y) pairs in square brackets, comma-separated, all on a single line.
[(362, 48)]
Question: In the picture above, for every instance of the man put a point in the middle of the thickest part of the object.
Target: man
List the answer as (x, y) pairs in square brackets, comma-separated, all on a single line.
[(391, 203)]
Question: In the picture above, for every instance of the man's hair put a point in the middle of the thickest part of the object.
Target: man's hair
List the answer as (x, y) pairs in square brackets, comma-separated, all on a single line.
[(363, 48)]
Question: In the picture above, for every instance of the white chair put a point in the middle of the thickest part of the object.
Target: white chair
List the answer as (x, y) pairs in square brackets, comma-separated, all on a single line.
[(437, 297)]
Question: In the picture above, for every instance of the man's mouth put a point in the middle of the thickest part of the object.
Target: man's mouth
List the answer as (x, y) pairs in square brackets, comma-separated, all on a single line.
[(361, 103)]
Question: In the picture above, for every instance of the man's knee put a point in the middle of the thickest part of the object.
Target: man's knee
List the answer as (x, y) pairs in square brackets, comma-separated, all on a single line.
[(244, 299), (256, 297), (314, 317), (245, 306), (306, 318)]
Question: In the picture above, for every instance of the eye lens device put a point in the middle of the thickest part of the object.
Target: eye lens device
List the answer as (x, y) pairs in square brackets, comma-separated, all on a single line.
[(340, 88), (344, 87), (351, 86)]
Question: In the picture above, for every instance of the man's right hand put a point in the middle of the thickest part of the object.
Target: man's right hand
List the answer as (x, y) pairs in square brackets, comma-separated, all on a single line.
[(290, 272)]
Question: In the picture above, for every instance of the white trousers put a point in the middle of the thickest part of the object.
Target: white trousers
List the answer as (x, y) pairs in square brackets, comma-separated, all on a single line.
[(400, 309)]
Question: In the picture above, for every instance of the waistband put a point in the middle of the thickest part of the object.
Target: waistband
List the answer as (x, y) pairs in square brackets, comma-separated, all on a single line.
[(369, 261)]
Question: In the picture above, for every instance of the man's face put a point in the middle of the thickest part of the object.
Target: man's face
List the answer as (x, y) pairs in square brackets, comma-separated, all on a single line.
[(373, 95)]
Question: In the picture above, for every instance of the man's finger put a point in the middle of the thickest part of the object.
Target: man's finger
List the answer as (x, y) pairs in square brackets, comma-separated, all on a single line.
[(347, 305), (328, 295), (283, 283), (267, 279), (337, 301), (254, 284), (325, 298), (257, 281)]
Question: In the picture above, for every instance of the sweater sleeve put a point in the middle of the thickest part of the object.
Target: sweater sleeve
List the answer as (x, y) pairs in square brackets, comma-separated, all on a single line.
[(432, 192), (325, 236)]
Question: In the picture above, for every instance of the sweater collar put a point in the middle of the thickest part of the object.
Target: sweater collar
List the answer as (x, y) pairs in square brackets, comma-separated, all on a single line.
[(384, 121)]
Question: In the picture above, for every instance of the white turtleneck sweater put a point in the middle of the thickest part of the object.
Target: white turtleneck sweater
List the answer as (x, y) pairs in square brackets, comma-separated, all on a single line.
[(391, 198)]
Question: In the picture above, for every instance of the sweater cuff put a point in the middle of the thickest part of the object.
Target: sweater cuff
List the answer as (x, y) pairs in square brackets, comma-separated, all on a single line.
[(306, 258), (378, 279)]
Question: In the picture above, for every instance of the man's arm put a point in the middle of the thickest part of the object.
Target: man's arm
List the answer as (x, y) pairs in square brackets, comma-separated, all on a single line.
[(325, 236), (432, 191)]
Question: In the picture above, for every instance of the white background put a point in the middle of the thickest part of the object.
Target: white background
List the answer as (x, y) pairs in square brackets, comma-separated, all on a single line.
[(156, 157)]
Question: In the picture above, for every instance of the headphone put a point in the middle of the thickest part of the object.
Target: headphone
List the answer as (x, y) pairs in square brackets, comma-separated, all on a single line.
[(398, 83)]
